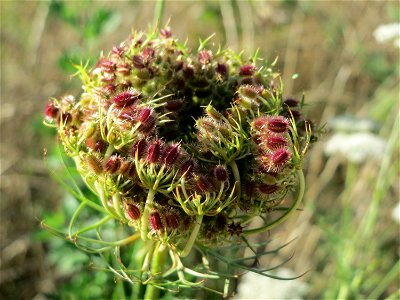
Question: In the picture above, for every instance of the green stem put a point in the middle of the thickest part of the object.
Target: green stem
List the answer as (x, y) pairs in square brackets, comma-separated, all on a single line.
[(296, 203), (236, 174), (193, 236), (157, 264), (146, 212), (158, 13), (103, 198), (117, 205)]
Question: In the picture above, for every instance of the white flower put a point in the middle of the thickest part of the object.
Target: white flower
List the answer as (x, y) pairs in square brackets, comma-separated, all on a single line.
[(356, 147), (256, 286), (388, 32)]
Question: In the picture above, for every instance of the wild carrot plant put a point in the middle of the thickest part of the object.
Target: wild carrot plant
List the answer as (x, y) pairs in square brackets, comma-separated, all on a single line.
[(184, 149)]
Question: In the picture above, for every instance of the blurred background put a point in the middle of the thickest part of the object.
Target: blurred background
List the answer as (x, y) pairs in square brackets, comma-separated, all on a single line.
[(342, 55)]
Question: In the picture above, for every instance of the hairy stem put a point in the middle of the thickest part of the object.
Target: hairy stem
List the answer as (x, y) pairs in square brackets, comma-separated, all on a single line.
[(146, 212), (157, 264), (193, 236), (296, 203)]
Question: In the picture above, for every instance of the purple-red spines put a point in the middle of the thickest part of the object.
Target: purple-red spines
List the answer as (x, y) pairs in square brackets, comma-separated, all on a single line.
[(205, 57), (220, 173), (260, 123), (187, 168), (268, 189), (247, 70), (126, 98), (173, 105), (279, 158), (133, 211), (278, 124), (144, 114), (51, 111), (155, 221), (154, 151), (171, 154), (274, 142), (112, 165), (166, 32)]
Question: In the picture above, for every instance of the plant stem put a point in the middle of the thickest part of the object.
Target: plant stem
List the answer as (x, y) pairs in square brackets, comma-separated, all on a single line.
[(236, 174), (158, 13), (299, 197), (193, 236), (146, 212), (157, 263)]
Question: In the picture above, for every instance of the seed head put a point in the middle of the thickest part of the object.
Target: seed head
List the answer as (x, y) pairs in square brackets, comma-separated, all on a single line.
[(155, 221), (279, 158), (187, 168), (173, 105), (51, 111), (126, 98), (138, 148), (112, 165), (247, 70), (274, 142), (133, 211), (278, 124), (205, 57), (171, 154), (154, 151), (268, 189), (220, 173)]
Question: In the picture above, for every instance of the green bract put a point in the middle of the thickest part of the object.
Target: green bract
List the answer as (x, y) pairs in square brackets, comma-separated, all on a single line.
[(186, 147)]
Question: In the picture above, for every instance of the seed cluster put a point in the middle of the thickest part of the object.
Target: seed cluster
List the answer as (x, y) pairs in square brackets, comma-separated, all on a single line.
[(178, 143)]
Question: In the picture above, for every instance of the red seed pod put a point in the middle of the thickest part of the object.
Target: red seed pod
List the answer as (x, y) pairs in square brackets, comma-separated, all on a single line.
[(51, 111), (205, 57), (279, 158), (149, 125), (222, 69), (144, 114), (123, 68), (171, 154), (113, 164), (260, 123), (138, 148), (106, 65), (133, 211), (250, 91), (268, 189), (291, 102), (247, 70), (274, 142), (154, 151), (202, 184), (117, 51), (172, 220), (278, 124), (138, 61), (64, 118), (187, 168), (126, 98), (148, 53), (166, 32), (173, 105), (155, 221), (109, 89), (220, 173)]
